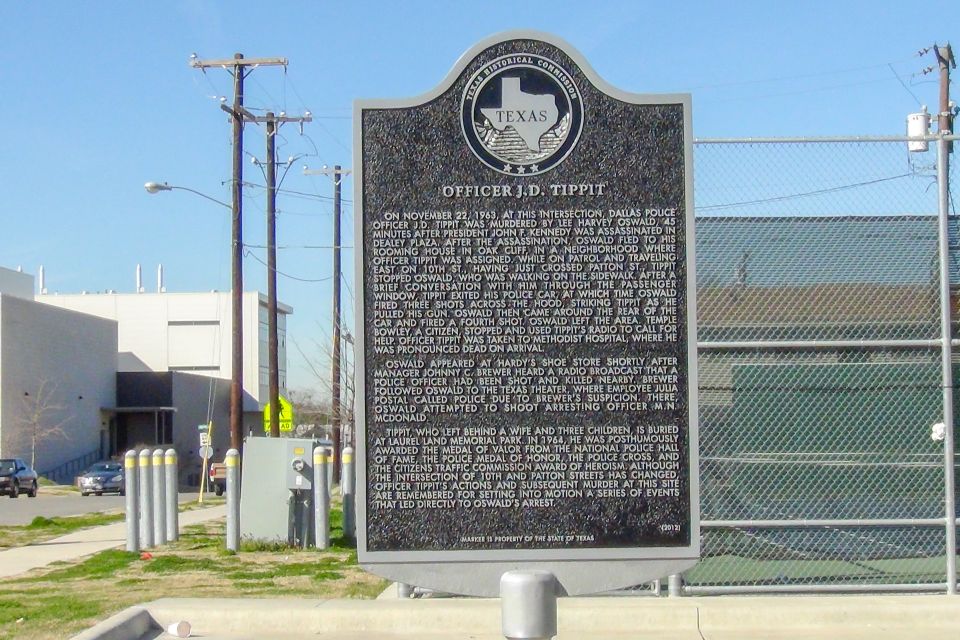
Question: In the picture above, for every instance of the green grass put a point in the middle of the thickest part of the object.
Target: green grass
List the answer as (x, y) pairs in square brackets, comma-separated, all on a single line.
[(177, 564), (42, 609), (41, 529), (64, 598), (65, 524), (102, 565)]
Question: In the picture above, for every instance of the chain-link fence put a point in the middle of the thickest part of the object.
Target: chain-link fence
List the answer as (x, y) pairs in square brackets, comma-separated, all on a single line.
[(820, 357)]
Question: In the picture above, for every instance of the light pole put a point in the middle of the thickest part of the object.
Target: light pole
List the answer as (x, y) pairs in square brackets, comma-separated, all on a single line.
[(236, 369)]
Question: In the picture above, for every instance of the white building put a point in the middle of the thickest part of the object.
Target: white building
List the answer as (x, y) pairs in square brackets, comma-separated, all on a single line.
[(188, 332), (57, 379), (129, 370), (174, 366)]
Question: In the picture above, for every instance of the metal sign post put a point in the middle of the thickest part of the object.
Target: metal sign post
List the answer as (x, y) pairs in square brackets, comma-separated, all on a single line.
[(205, 451)]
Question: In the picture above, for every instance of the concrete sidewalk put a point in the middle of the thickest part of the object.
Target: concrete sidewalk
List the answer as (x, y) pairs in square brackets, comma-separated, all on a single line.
[(856, 617), (84, 543)]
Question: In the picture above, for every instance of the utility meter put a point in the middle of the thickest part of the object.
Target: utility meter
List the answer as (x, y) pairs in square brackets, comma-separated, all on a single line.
[(276, 502), (300, 472)]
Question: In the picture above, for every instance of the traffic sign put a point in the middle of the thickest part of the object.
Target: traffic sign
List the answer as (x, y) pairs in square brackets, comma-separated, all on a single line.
[(206, 452), (286, 416)]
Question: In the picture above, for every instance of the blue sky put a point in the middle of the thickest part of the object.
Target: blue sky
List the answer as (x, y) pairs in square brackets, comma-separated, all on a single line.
[(98, 98)]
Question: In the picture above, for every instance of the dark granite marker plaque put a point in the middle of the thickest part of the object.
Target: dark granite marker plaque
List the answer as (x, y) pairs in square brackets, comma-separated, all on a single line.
[(527, 363)]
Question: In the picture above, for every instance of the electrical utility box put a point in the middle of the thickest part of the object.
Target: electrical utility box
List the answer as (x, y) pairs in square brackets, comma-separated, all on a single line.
[(276, 490)]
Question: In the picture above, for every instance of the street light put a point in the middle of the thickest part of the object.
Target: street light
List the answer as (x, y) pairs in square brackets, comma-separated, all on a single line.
[(236, 382), (156, 187)]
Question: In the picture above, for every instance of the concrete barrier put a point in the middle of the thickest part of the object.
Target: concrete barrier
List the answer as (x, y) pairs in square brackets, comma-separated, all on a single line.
[(129, 624)]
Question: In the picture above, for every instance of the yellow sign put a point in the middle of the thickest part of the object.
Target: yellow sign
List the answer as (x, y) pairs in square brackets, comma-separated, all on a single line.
[(286, 416)]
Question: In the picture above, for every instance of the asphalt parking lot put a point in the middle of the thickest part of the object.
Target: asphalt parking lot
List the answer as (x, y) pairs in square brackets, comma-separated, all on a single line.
[(23, 510)]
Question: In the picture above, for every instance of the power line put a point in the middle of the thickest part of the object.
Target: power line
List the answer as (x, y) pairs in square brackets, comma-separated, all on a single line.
[(250, 254), (804, 194), (298, 246), (302, 194), (902, 84), (802, 76)]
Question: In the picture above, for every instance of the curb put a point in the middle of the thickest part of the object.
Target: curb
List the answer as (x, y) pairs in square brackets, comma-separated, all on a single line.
[(735, 617), (129, 624)]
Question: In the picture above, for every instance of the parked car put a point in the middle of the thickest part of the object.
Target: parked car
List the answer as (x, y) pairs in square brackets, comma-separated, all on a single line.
[(102, 477), (17, 476), (218, 477)]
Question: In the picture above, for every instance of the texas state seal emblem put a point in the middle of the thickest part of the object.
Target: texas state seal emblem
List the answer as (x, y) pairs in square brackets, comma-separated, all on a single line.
[(521, 114)]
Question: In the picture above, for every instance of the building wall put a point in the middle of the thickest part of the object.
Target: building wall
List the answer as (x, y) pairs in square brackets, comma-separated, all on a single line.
[(186, 332), (16, 283), (193, 394), (66, 362)]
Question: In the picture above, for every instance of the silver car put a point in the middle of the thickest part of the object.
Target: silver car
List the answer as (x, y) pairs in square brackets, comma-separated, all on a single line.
[(102, 477)]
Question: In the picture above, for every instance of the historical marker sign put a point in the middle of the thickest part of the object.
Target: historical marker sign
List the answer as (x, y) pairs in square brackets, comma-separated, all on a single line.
[(527, 363)]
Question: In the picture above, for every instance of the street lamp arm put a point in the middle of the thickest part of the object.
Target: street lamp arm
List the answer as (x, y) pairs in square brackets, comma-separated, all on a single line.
[(154, 187)]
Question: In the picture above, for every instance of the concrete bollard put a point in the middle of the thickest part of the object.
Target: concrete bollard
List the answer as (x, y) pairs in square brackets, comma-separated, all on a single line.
[(675, 585), (130, 491), (159, 499), (172, 485), (347, 484), (232, 462), (528, 605), (321, 498), (146, 500)]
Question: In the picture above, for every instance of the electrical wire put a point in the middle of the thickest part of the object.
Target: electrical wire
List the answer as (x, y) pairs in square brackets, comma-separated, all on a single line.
[(802, 195), (803, 76), (251, 254), (902, 84), (297, 246)]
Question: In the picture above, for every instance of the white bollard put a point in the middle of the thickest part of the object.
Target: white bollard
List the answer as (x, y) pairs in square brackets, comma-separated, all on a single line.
[(347, 484), (172, 485), (146, 500), (132, 500), (232, 462), (675, 585), (528, 605), (321, 498), (159, 500)]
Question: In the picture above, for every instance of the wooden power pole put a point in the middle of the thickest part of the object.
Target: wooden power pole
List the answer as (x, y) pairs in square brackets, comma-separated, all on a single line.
[(238, 67), (273, 359), (337, 174), (946, 62)]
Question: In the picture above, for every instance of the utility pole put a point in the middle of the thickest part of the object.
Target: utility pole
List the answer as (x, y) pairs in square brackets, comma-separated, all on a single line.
[(337, 174), (944, 127), (237, 66), (273, 358), (272, 349), (945, 61)]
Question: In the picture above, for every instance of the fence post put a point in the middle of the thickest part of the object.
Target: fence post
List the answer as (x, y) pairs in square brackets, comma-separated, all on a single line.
[(146, 496), (172, 485), (130, 491), (232, 462), (159, 499), (321, 498), (347, 489), (946, 330)]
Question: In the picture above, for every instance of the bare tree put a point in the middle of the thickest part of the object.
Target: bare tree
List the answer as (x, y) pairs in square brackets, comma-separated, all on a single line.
[(308, 409), (318, 364), (40, 419)]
